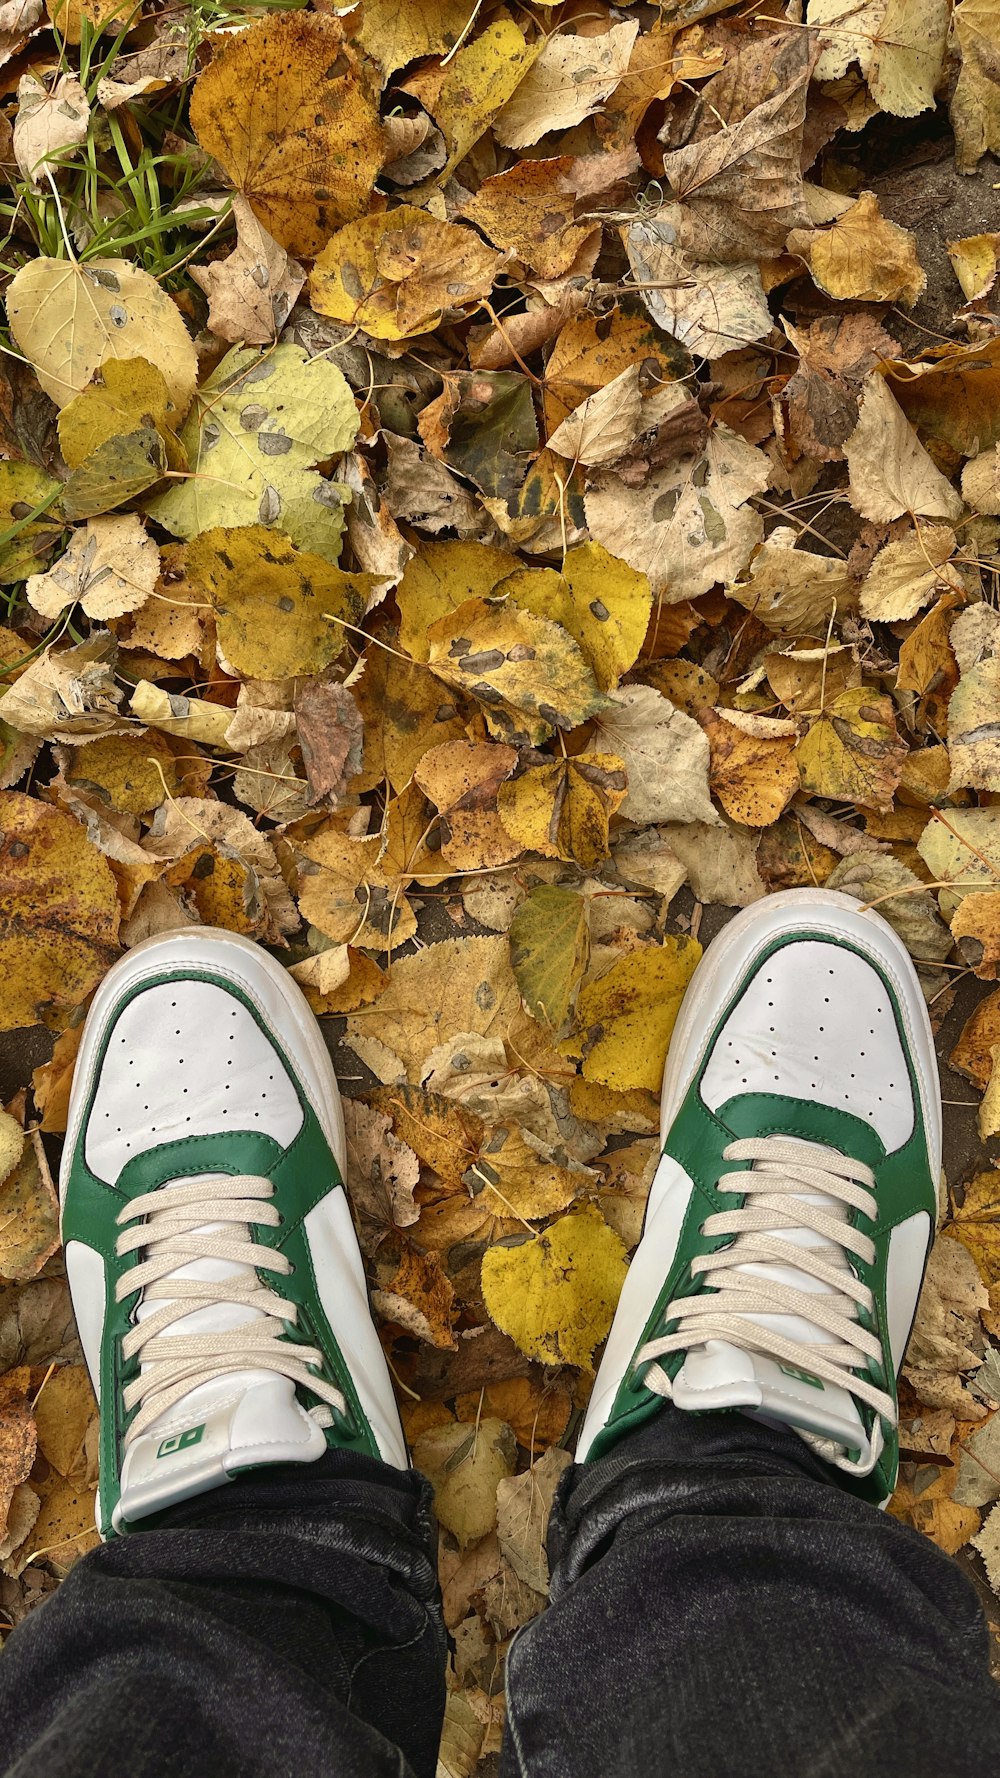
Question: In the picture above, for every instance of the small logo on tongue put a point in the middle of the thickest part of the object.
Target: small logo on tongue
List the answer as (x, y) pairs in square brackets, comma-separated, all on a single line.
[(792, 1370), (181, 1441)]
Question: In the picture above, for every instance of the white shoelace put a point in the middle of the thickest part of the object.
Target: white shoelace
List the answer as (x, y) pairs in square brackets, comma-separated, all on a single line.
[(176, 1225), (786, 1175)]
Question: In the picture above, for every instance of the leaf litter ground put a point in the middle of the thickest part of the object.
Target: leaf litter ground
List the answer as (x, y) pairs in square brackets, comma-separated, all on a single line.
[(481, 497)]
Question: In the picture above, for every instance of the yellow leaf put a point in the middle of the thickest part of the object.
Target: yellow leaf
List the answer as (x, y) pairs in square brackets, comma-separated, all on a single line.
[(890, 471), (349, 896), (975, 261), (600, 601), (400, 272), (23, 487), (569, 80), (555, 1295), (530, 676), (908, 573), (977, 1224), (397, 32), (440, 578), (852, 752), (460, 985), (29, 1215), (753, 772), (625, 1017), (464, 1465), (407, 713), (512, 1176), (861, 257), (65, 1528), (537, 1409), (58, 913), (975, 103), (461, 779), (65, 1412), (973, 732), (131, 773), (475, 84), (69, 317), (126, 394), (977, 921), (11, 1143), (961, 848), (562, 809), (549, 949), (286, 111), (51, 1083), (193, 718), (276, 607), (529, 209), (259, 425)]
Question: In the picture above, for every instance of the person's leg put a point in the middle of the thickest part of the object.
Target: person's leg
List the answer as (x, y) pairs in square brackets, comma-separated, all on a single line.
[(266, 1599), (721, 1609), (284, 1625), (726, 1599)]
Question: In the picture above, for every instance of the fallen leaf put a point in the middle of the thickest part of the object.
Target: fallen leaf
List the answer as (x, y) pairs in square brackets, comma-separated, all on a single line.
[(438, 579), (946, 1342), (475, 84), (524, 1503), (555, 1295), (331, 735), (406, 712), (666, 756), (529, 675), (46, 123), (110, 567), (395, 34), (976, 924), (973, 726), (862, 257), (753, 772), (625, 1017), (908, 573), (381, 1175), (68, 317), (881, 881), (11, 1143), (58, 913), (709, 308), (459, 985), (975, 261), (464, 1466), (720, 862), (563, 809), (951, 393), (791, 590), (689, 526), (975, 102), (565, 83), (890, 471), (251, 293), (852, 751), (462, 780), (972, 1055), (398, 273), (603, 604), (66, 1418), (961, 849), (258, 427), (25, 489), (286, 110), (549, 948), (280, 611), (193, 719), (178, 831), (29, 1215)]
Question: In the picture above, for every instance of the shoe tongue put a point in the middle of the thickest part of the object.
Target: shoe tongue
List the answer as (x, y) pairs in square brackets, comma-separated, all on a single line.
[(242, 1419)]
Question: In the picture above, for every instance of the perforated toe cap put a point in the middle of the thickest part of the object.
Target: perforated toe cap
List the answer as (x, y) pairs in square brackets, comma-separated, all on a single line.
[(816, 1023)]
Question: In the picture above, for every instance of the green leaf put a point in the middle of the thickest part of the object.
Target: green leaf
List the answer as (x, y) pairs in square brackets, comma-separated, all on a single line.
[(256, 431), (118, 470), (549, 948)]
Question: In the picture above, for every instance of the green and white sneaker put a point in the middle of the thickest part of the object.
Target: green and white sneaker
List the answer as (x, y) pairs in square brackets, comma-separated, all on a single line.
[(215, 1273), (791, 1215)]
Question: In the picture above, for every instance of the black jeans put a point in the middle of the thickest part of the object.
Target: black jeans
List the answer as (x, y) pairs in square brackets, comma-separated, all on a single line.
[(720, 1609)]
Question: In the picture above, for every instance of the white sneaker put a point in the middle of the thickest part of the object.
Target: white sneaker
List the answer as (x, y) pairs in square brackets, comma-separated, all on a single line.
[(791, 1215), (215, 1273)]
